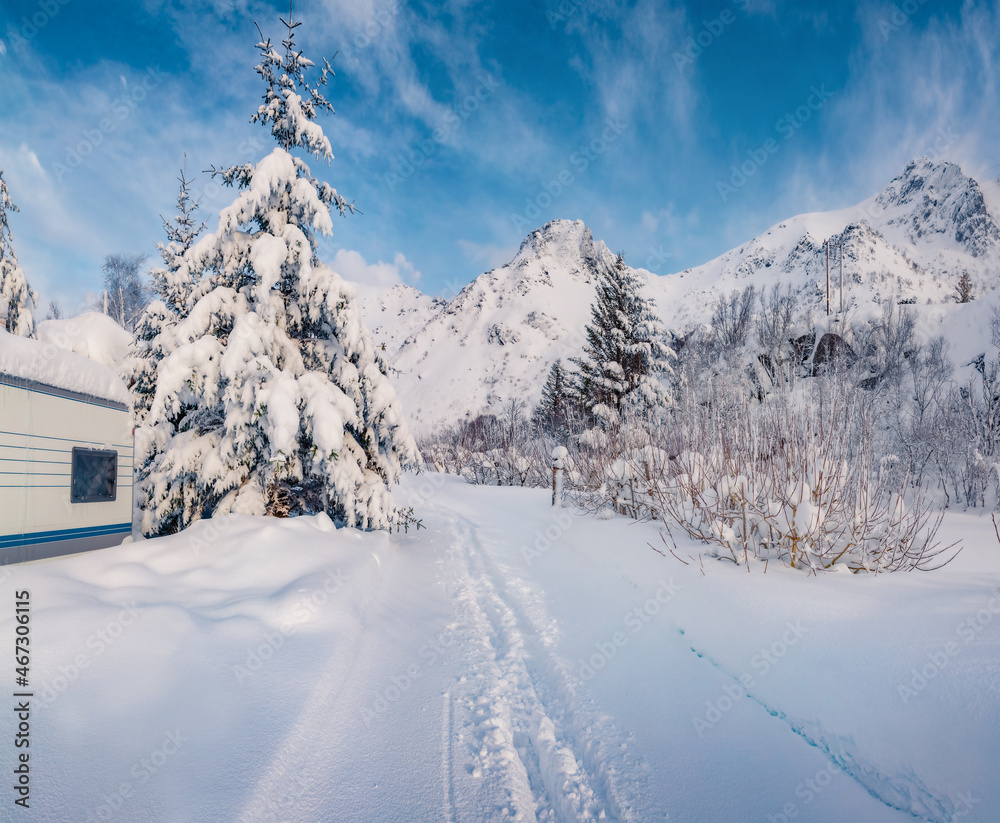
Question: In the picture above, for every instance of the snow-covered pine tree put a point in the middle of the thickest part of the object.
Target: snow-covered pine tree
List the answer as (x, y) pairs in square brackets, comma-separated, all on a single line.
[(555, 409), (153, 336), (274, 399), (17, 300), (625, 349), (173, 288), (151, 339)]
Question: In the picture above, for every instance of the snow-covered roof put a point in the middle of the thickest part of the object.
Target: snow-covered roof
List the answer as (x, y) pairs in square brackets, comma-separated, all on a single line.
[(49, 365)]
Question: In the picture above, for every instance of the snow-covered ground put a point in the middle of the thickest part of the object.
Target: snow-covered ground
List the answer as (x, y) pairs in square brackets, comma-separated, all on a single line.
[(509, 661)]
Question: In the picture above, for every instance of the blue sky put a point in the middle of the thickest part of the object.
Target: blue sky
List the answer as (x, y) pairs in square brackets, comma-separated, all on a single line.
[(462, 125)]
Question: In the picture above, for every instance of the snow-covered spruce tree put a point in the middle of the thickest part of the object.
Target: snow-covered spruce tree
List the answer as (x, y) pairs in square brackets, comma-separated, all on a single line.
[(274, 399), (555, 409), (625, 349), (153, 336), (17, 300), (171, 286)]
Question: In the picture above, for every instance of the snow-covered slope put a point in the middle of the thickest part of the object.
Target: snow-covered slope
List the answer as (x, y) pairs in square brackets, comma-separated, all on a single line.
[(498, 337), (911, 241), (395, 313)]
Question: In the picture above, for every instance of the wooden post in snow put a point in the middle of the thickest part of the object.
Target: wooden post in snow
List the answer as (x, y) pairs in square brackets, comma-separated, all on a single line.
[(841, 279), (559, 455), (827, 244)]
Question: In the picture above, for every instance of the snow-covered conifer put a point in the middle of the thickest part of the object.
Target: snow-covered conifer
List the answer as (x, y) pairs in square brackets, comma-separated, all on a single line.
[(273, 398), (555, 409), (152, 336), (154, 329), (17, 300), (172, 288), (625, 349)]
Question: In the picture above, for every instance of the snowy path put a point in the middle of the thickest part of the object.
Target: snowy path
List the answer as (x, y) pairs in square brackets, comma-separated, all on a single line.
[(528, 745), (507, 662)]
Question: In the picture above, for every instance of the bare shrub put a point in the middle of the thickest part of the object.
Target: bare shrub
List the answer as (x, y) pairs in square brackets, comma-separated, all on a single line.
[(794, 478)]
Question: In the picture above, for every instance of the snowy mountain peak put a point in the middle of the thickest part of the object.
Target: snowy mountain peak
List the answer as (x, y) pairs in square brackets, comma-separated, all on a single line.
[(909, 242), (566, 244), (498, 337), (934, 202), (496, 340)]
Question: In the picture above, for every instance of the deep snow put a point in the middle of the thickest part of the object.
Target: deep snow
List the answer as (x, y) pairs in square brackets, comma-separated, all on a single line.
[(47, 362), (252, 669)]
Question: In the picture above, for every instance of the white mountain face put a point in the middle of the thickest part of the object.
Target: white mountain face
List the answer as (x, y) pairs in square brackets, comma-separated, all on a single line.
[(498, 338), (395, 313), (911, 242)]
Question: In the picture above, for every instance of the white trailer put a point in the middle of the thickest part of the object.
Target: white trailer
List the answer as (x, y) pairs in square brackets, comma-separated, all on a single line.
[(65, 453)]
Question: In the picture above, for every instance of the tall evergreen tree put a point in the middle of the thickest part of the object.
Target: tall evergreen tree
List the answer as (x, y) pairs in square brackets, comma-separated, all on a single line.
[(17, 300), (153, 337), (555, 409), (171, 286), (273, 399), (625, 348)]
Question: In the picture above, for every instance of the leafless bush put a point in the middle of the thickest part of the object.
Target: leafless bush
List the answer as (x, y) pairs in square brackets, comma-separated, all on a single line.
[(490, 450), (795, 478), (616, 469), (732, 320)]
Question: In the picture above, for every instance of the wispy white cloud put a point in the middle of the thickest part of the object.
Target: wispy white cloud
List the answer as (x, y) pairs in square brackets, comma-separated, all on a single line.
[(352, 266), (628, 58), (921, 84), (486, 255)]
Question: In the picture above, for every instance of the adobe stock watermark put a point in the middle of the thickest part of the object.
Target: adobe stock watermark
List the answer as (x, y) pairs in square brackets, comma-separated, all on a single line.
[(303, 612), (429, 486), (97, 643), (141, 772), (561, 521), (900, 16), (561, 14), (762, 663), (207, 532), (807, 791), (944, 138), (787, 126), (657, 257), (210, 190), (290, 788), (373, 28), (121, 109), (710, 31), (29, 27), (635, 620), (409, 160), (432, 650), (580, 160), (967, 631), (812, 787)]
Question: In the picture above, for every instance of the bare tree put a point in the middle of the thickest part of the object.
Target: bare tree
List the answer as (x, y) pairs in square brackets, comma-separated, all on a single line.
[(733, 318), (127, 294), (773, 327)]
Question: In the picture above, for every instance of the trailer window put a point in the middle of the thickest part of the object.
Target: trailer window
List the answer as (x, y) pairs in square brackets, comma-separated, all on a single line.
[(94, 475)]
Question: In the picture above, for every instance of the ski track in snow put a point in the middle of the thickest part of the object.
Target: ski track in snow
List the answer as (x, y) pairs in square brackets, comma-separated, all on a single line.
[(906, 793), (524, 743), (447, 754)]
